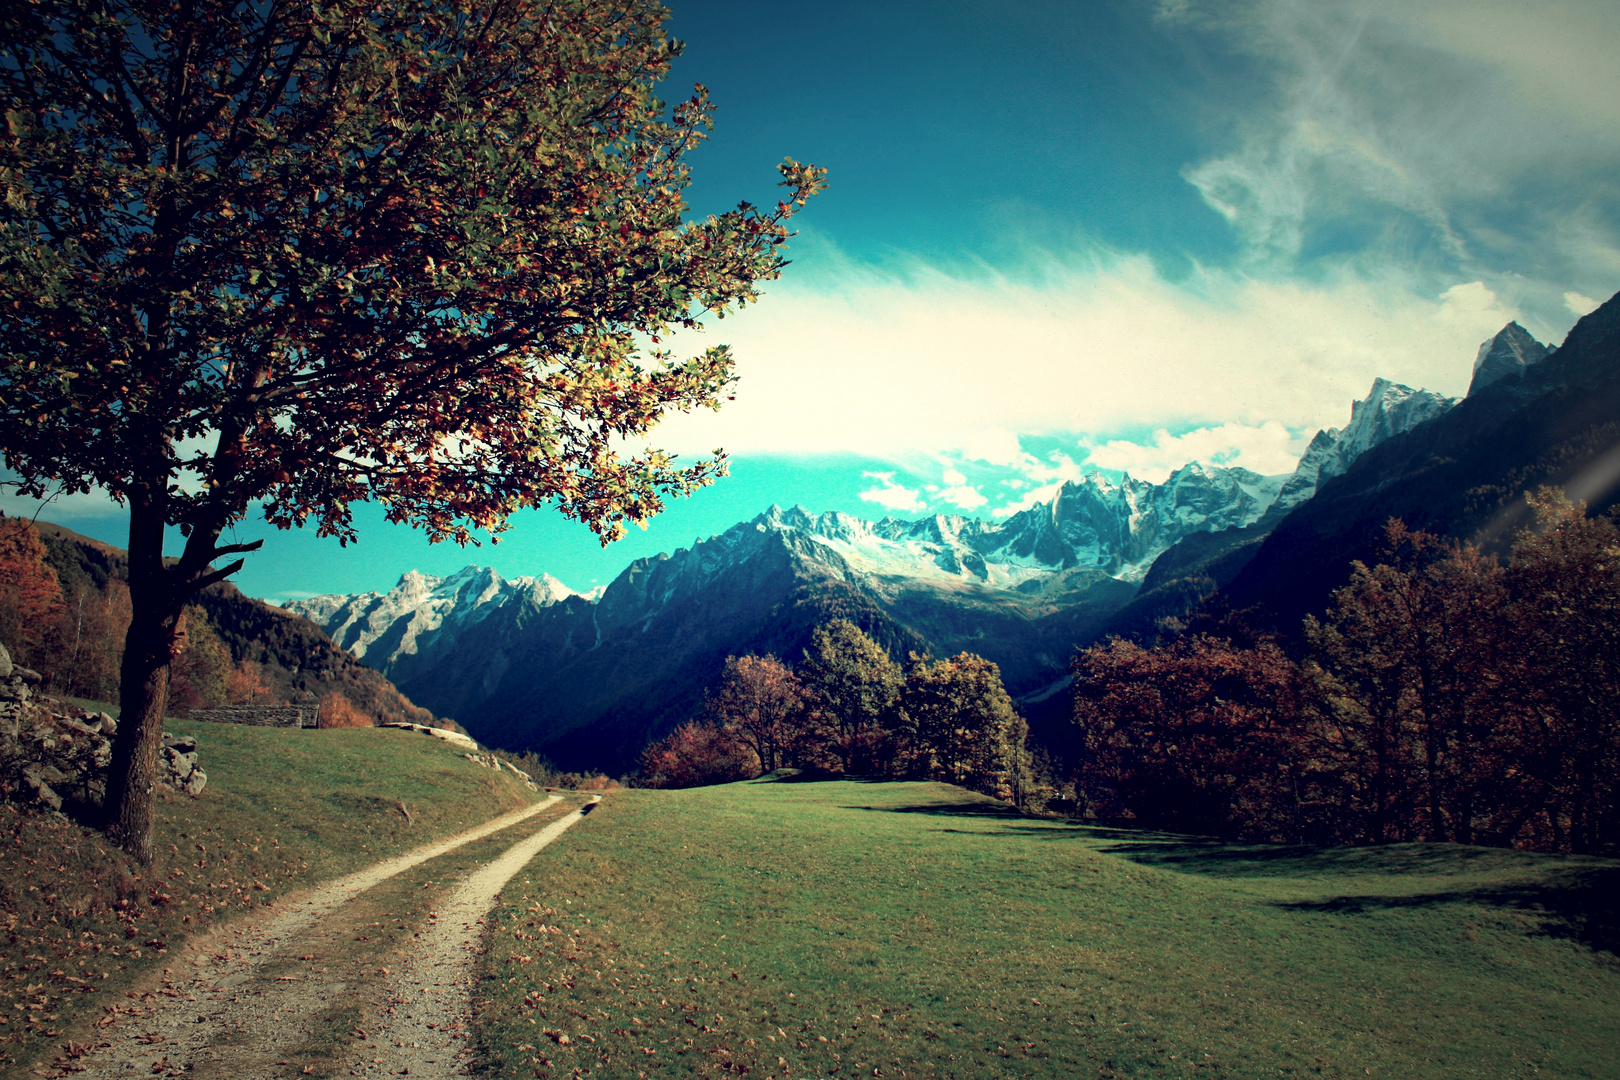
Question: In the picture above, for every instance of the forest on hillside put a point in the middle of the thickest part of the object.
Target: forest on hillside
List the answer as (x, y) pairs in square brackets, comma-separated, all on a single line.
[(1443, 696), (65, 608)]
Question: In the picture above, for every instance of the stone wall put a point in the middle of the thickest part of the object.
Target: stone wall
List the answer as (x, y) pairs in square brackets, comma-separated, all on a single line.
[(260, 715)]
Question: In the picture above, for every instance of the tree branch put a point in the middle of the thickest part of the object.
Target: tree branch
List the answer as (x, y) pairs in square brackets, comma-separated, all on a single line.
[(218, 575)]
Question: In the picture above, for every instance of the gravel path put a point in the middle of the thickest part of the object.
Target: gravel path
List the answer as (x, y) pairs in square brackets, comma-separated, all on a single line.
[(424, 1032), (213, 1017)]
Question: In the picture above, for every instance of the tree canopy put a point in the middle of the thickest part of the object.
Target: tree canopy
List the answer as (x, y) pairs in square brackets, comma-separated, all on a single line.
[(304, 255), (855, 686)]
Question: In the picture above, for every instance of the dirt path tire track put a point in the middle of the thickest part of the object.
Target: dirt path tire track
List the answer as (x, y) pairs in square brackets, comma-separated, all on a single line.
[(201, 1005), (425, 1031)]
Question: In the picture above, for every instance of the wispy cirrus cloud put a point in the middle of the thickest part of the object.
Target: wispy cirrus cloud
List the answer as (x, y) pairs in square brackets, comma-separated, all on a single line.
[(1475, 137)]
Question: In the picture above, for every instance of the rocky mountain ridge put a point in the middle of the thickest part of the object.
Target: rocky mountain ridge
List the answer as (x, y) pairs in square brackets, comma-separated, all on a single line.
[(589, 679)]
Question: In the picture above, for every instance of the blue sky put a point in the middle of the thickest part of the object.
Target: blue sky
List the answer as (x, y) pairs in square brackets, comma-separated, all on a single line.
[(1117, 235)]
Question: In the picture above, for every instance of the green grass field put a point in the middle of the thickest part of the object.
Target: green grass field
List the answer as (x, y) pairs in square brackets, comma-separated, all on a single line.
[(283, 810), (849, 929)]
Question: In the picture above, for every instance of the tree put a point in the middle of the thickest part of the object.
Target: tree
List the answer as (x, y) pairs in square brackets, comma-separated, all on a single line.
[(30, 595), (1414, 647), (200, 675), (695, 754), (309, 255), (1200, 733), (964, 726), (855, 687), (761, 698), (1565, 584), (245, 685)]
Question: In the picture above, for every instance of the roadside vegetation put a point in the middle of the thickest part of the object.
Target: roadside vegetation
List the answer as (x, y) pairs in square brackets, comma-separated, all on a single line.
[(782, 929), (81, 923)]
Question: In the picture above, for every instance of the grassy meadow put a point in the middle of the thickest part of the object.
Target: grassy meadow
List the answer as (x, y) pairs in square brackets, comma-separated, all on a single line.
[(283, 810), (784, 929)]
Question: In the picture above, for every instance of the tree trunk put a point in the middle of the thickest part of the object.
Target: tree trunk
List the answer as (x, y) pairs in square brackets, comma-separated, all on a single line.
[(154, 632), (144, 694), (157, 595)]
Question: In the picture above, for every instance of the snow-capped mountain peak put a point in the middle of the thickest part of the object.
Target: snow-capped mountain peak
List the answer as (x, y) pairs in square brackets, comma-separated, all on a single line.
[(417, 610), (1389, 409)]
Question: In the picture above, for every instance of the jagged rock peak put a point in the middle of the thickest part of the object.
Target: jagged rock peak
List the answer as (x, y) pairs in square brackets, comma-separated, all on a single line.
[(1508, 353), (1389, 409)]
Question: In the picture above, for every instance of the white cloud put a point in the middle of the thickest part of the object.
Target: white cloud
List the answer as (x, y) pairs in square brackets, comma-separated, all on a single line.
[(64, 509), (964, 497), (1580, 305), (1030, 498), (892, 496), (995, 446), (1557, 54), (1267, 448), (895, 363)]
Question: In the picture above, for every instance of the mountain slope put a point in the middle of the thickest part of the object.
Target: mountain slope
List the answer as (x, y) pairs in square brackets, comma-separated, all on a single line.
[(1552, 422), (293, 657), (589, 680)]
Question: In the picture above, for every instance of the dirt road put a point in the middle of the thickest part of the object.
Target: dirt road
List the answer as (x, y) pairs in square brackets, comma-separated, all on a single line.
[(243, 1003)]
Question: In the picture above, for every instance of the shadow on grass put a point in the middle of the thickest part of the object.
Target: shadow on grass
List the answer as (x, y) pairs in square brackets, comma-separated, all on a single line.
[(818, 776), (1578, 904), (1574, 897), (963, 809)]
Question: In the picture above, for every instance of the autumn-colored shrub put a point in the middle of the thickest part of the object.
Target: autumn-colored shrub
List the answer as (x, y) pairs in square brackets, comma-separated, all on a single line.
[(338, 711), (245, 685), (698, 753)]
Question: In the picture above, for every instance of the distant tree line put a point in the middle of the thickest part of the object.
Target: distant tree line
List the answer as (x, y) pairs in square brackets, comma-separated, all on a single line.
[(849, 709), (1442, 697)]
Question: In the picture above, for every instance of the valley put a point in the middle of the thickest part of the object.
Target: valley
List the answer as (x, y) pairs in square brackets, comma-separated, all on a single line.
[(588, 680)]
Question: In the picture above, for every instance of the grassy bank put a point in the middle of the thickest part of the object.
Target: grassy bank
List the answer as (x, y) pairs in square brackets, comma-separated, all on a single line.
[(283, 810), (844, 929)]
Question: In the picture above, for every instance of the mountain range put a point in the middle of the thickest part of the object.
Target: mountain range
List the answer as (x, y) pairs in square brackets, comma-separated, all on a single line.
[(590, 679)]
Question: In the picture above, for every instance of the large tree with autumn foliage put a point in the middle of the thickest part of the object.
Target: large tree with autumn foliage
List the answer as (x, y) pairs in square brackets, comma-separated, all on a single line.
[(415, 251)]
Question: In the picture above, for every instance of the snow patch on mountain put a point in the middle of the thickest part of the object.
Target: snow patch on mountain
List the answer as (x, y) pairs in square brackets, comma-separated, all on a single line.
[(411, 616), (1389, 409)]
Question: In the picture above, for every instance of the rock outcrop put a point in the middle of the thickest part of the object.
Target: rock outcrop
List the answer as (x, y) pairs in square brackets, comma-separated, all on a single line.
[(51, 752), (1510, 352)]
